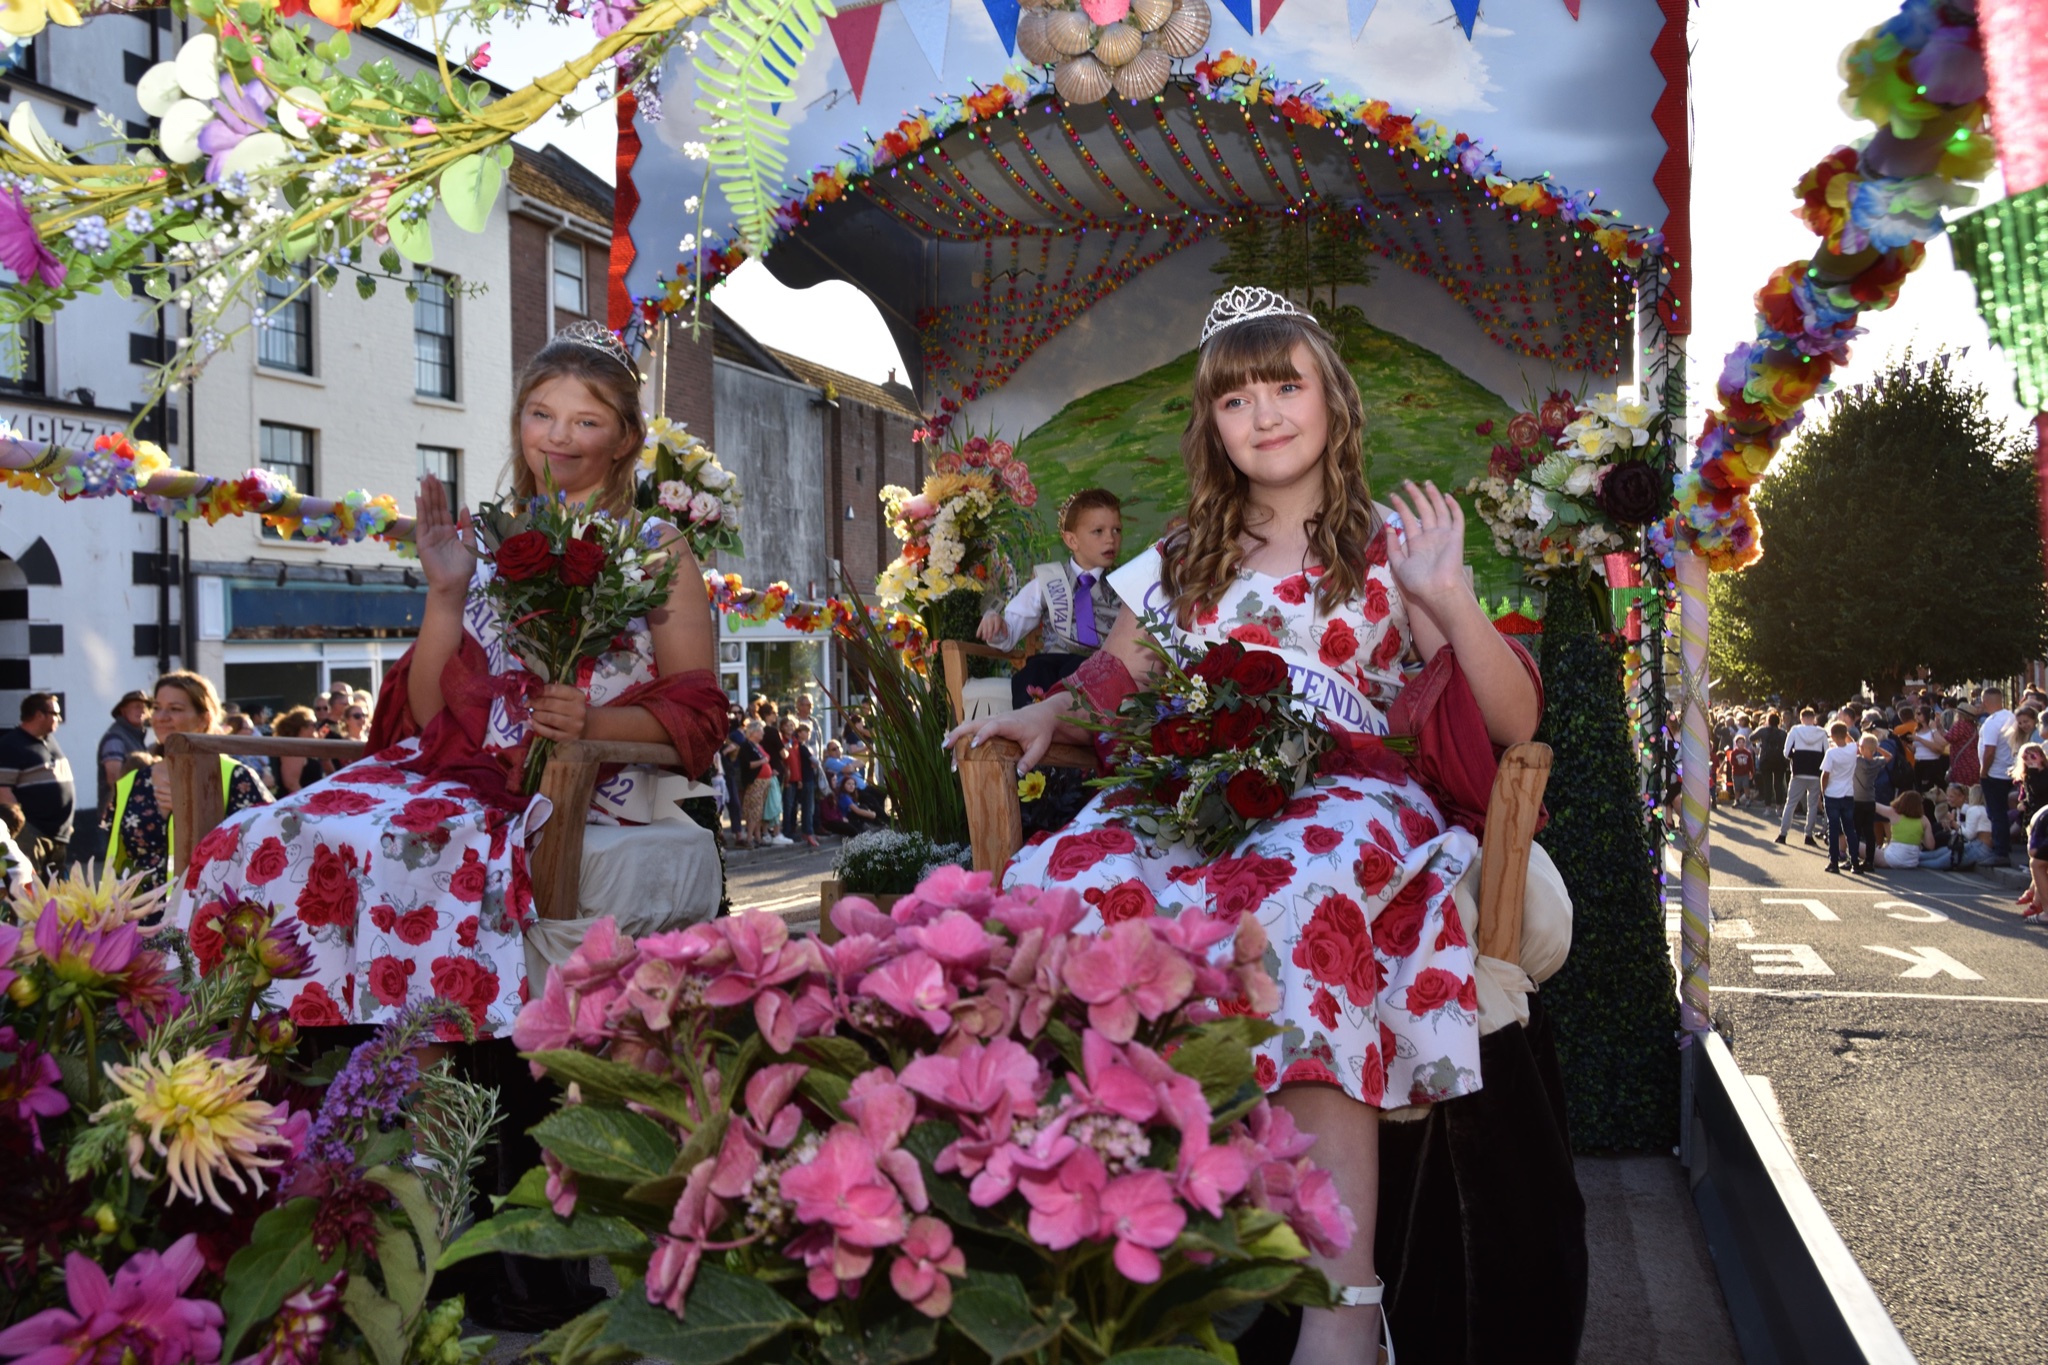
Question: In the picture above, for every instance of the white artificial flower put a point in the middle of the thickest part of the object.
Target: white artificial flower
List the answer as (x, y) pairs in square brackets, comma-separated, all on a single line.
[(705, 507), (1539, 509), (1585, 476), (674, 495)]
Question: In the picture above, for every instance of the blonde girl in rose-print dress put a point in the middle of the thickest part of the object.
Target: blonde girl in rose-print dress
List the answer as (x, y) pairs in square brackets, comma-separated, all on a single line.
[(1283, 548)]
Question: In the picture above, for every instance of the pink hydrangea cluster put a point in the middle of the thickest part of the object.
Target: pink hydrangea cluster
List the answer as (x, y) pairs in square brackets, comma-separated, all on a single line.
[(1042, 1057)]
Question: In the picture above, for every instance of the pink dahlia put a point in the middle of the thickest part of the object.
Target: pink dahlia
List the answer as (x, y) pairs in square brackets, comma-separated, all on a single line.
[(140, 1315)]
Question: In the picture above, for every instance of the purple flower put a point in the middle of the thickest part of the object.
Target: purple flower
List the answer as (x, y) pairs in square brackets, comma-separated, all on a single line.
[(1951, 66), (28, 1087), (21, 247), (239, 112), (139, 1315), (301, 1326), (609, 16)]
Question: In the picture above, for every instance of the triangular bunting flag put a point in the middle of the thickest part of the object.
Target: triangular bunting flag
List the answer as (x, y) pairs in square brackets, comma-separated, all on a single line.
[(1241, 10), (853, 32), (1267, 9), (1357, 12), (1572, 7), (928, 20), (1468, 14), (1003, 14)]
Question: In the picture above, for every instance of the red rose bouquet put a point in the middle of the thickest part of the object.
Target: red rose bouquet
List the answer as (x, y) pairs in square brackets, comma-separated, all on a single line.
[(1211, 750), (569, 580)]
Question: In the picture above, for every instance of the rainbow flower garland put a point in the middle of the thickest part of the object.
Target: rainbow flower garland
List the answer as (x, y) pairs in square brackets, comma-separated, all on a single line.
[(1920, 77)]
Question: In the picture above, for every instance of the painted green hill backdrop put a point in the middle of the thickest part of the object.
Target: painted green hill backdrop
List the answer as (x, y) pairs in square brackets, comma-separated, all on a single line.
[(1420, 415)]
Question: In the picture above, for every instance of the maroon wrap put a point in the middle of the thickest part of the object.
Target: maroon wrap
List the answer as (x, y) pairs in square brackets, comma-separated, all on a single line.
[(690, 707), (1103, 681), (1454, 759)]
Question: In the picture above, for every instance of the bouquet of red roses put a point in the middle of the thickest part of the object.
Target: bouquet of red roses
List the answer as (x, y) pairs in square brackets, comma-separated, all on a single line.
[(569, 580), (1211, 750)]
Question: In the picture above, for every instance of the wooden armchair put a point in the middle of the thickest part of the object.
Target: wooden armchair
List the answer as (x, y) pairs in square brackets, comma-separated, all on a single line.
[(995, 816), (569, 781)]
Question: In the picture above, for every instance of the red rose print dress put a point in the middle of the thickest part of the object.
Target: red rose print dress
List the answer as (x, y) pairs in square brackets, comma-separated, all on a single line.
[(1351, 880), (408, 887)]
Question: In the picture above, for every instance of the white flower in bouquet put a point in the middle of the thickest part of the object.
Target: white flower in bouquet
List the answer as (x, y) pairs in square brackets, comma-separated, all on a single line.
[(706, 508), (1584, 478)]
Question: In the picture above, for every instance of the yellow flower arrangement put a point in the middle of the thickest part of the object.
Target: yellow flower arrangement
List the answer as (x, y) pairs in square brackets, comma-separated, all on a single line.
[(200, 1117), (99, 906)]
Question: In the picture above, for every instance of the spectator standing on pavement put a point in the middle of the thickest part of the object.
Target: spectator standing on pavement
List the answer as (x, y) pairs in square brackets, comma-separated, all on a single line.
[(1964, 765), (1741, 769), (1930, 751), (758, 772), (1872, 763), (1838, 793), (1995, 759), (291, 774), (125, 736), (735, 772), (1805, 745), (35, 777), (772, 803), (799, 792), (2033, 780), (355, 721), (1771, 768)]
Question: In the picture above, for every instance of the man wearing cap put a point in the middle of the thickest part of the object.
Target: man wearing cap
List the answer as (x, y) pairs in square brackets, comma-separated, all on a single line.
[(127, 735)]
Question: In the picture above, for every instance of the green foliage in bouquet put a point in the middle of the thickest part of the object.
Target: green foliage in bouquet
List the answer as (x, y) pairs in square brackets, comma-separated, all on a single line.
[(912, 716), (686, 483), (1615, 1002)]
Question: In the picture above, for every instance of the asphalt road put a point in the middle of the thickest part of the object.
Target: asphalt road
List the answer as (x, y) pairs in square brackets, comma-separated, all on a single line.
[(1900, 1021)]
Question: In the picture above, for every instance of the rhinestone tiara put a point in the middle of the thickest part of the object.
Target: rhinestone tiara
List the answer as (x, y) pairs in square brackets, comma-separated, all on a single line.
[(1244, 302), (597, 337)]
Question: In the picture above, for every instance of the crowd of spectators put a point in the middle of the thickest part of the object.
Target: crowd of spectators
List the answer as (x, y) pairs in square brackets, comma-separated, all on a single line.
[(1931, 780), (779, 785)]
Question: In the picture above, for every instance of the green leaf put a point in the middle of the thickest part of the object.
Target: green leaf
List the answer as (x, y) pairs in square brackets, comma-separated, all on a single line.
[(616, 1081), (1161, 1355), (994, 1313), (902, 1339), (826, 1089), (366, 286), (1067, 1041), (405, 1278), (389, 261), (538, 1232), (577, 1340), (1219, 1055), (840, 1056), (426, 1226), (724, 1317), (278, 1261), (612, 1144), (414, 240), (469, 188), (380, 1320), (530, 1193), (1198, 1295)]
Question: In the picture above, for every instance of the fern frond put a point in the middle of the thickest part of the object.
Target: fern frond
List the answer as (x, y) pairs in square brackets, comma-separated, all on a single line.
[(746, 64)]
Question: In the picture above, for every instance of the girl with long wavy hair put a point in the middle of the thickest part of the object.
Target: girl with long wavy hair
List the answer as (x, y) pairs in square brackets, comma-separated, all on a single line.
[(1283, 548)]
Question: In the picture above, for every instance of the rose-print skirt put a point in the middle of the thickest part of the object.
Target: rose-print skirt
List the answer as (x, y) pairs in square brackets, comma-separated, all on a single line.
[(405, 888), (1352, 881)]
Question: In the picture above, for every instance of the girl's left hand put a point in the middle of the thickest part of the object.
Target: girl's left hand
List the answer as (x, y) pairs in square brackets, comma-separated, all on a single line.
[(1428, 558), (560, 712)]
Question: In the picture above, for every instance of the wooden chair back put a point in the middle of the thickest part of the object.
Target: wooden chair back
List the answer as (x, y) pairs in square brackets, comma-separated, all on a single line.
[(569, 781)]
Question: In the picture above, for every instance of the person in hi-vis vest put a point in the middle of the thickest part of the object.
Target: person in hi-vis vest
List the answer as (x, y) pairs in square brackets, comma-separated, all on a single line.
[(1073, 600)]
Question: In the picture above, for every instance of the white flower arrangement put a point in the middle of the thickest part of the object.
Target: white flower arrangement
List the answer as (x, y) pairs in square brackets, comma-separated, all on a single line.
[(953, 532), (685, 480)]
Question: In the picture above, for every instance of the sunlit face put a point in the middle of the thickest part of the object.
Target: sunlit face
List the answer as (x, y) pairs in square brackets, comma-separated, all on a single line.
[(570, 438), (1097, 540), (175, 714), (135, 712), (1275, 433)]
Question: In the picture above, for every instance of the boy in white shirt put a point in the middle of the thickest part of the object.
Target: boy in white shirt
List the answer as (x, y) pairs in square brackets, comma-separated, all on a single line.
[(1838, 793), (1073, 600), (1805, 743), (1994, 740)]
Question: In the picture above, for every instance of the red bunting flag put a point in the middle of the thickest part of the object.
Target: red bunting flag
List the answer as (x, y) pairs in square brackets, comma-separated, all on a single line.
[(853, 32), (1267, 9)]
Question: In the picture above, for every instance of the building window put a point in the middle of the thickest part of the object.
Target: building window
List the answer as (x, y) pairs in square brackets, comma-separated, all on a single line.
[(446, 465), (21, 358), (287, 451), (433, 337), (284, 341), (569, 275)]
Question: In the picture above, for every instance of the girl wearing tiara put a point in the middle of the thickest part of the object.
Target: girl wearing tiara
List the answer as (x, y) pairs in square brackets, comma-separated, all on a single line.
[(1283, 548), (1072, 601), (407, 870)]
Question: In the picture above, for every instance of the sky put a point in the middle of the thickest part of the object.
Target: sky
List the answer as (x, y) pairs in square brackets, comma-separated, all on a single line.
[(1761, 117)]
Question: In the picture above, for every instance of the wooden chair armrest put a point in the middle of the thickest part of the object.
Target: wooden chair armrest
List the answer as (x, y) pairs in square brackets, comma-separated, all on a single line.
[(1512, 810), (267, 746), (635, 752), (197, 802), (569, 781), (988, 781)]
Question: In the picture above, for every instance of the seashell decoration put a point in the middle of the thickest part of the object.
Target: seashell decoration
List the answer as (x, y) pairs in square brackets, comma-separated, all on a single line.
[(1116, 44), (1069, 33), (1186, 29), (1143, 76), (1081, 80), (1033, 42), (1148, 15)]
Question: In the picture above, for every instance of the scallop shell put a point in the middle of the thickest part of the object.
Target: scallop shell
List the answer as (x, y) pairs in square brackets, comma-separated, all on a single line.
[(1081, 80), (1144, 75), (1117, 44), (1186, 29), (1150, 14), (1068, 32), (1032, 41)]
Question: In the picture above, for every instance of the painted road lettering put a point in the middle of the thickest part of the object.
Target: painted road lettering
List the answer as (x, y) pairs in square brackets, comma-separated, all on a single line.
[(1926, 962), (1785, 959), (1924, 915), (1813, 907)]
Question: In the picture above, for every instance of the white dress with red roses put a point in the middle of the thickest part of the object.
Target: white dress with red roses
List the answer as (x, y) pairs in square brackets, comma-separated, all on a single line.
[(1352, 880), (407, 887)]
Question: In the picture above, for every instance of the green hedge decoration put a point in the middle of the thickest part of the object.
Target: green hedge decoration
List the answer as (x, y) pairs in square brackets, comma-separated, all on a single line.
[(1614, 1003)]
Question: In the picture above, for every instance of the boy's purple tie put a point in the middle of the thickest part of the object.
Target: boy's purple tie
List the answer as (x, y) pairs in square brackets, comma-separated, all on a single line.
[(1084, 612)]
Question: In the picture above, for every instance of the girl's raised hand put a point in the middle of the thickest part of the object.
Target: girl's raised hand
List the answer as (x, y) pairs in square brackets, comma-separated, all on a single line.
[(1428, 558), (445, 547)]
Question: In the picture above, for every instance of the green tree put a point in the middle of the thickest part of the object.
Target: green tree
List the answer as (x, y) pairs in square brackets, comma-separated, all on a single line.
[(1900, 531), (1307, 255)]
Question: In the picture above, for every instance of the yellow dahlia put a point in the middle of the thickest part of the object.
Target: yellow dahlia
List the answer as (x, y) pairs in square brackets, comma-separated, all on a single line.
[(97, 905), (201, 1119)]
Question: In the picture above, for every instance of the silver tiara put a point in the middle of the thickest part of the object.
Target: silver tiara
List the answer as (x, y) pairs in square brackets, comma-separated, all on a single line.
[(599, 338), (1245, 302)]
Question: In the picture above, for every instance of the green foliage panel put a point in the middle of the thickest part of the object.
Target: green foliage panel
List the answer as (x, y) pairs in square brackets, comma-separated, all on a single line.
[(1615, 1001), (1420, 414)]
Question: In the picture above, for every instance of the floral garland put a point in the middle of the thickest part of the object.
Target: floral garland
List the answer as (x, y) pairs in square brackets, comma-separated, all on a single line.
[(1920, 77), (733, 599), (957, 531), (1571, 485)]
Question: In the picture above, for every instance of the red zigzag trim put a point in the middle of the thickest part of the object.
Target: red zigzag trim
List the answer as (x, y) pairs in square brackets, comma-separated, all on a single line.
[(1672, 117), (625, 203)]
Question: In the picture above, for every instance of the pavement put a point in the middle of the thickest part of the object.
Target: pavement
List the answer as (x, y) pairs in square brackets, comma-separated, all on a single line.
[(1895, 1022)]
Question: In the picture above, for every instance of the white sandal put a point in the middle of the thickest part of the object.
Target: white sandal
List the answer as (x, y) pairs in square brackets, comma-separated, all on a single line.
[(1367, 1296)]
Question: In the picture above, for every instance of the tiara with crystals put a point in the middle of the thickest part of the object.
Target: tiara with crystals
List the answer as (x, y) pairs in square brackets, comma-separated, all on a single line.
[(1245, 302), (597, 337)]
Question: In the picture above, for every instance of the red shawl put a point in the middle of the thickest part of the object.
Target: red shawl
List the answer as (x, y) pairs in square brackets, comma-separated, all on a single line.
[(1454, 759), (690, 707)]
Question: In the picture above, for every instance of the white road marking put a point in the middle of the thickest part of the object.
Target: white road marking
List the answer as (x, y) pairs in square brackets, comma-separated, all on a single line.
[(1733, 928), (1760, 1086), (1926, 962), (1926, 914), (1785, 959), (1798, 993), (1813, 907)]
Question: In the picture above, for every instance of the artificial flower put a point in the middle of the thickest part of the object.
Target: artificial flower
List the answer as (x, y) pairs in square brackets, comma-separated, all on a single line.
[(27, 18), (21, 246)]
